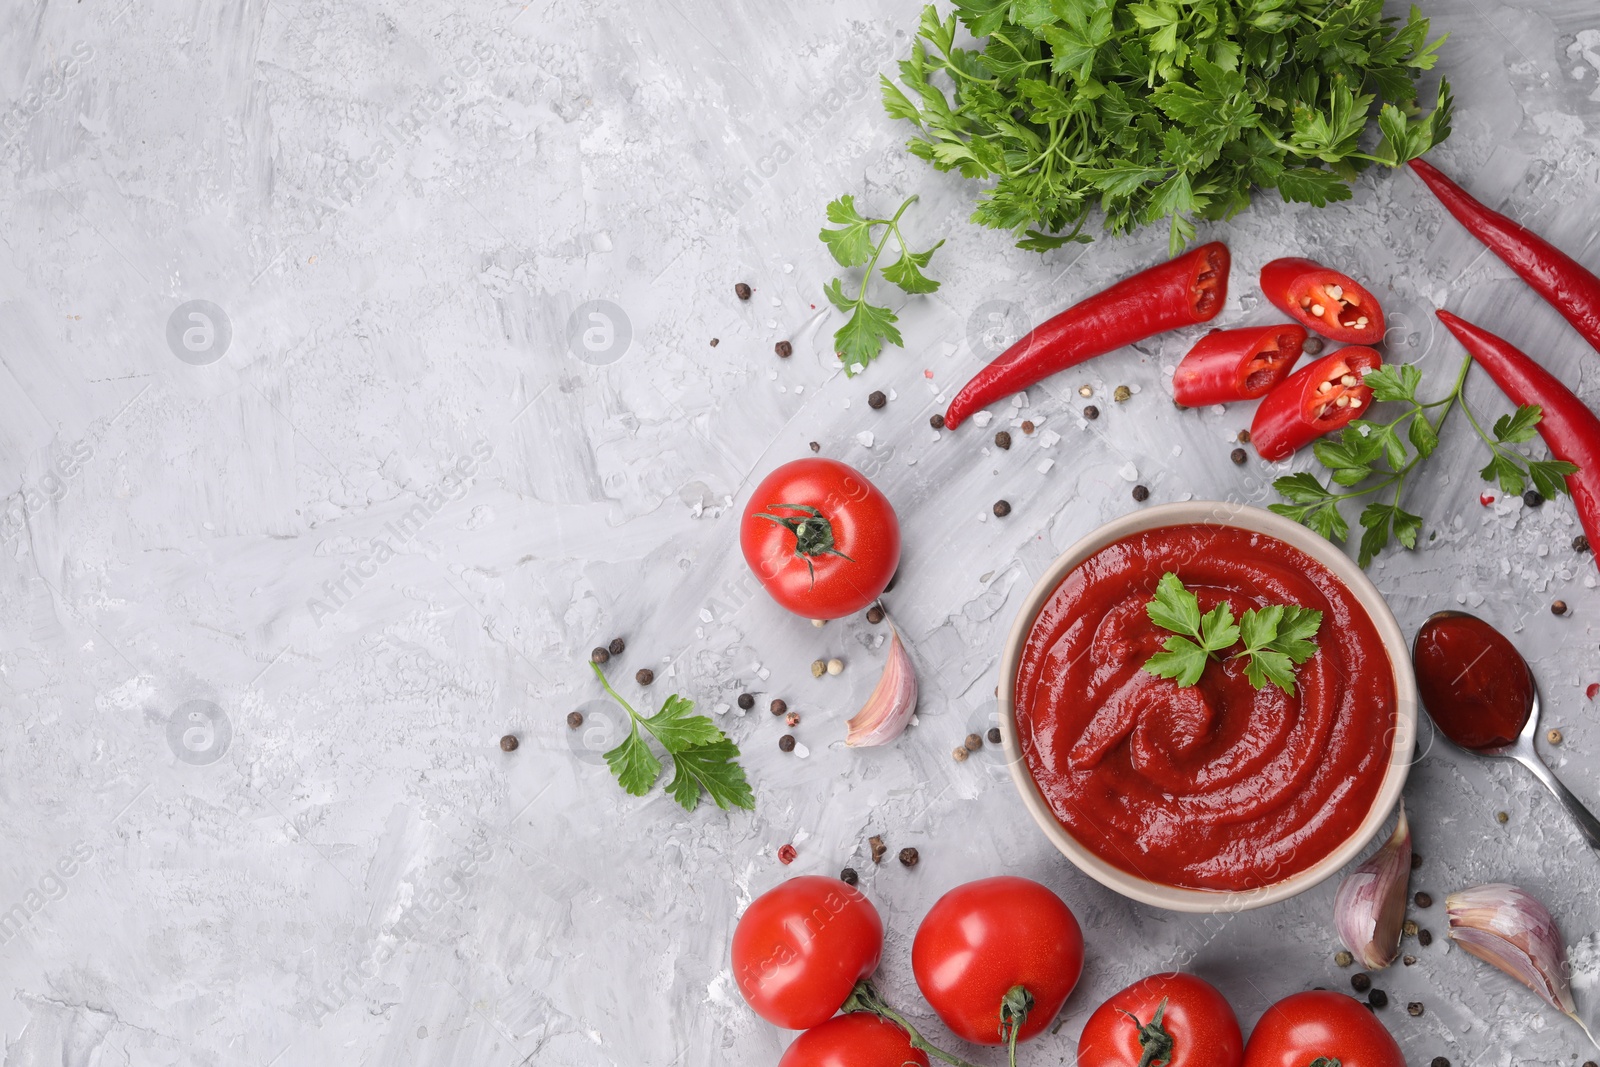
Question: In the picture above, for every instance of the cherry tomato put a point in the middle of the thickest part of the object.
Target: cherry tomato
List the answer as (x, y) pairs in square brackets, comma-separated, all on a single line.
[(1302, 1028), (1182, 1018), (820, 538), (859, 1039), (981, 941), (801, 947)]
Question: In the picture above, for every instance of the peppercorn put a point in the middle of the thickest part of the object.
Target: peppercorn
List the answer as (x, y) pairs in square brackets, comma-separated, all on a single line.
[(508, 743), (1361, 982), (1243, 437), (1408, 960), (1553, 736), (1141, 494), (715, 342), (1091, 412), (574, 719), (1416, 861), (908, 857), (1580, 543), (836, 666), (746, 701), (1378, 998), (973, 742), (1408, 928), (875, 615), (1424, 938), (617, 646), (1558, 608), (1440, 1061), (994, 735), (786, 854), (1002, 508), (815, 447), (936, 420), (792, 719), (1501, 817), (1423, 900), (644, 676), (1239, 456), (959, 753), (1311, 346), (784, 349), (786, 743), (742, 291), (876, 399), (1121, 393), (1343, 958), (1532, 498), (893, 578), (848, 876), (777, 707), (1086, 390), (599, 655), (1002, 440), (818, 668), (1027, 425), (878, 848)]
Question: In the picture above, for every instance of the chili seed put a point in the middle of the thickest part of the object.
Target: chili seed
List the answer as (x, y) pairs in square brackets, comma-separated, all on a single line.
[(876, 399), (777, 707), (1239, 456), (1244, 437), (574, 719), (875, 615), (508, 743), (815, 447), (1558, 608), (786, 743), (784, 349), (959, 753), (742, 291), (1501, 817), (644, 676), (1423, 900), (792, 719), (1408, 928), (617, 646), (1424, 938), (1378, 998), (786, 855), (1416, 861), (994, 735), (1532, 498), (973, 742), (1361, 982), (878, 848), (746, 701), (1027, 425), (1580, 543), (1343, 958), (1086, 391), (599, 655), (849, 876), (1312, 346), (1002, 508), (1440, 1061), (1122, 393), (818, 668), (1141, 494), (936, 420), (836, 667), (1553, 736), (1002, 440), (1091, 412), (908, 857)]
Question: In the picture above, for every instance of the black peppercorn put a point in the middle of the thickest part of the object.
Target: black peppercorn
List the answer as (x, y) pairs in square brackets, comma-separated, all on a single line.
[(508, 743), (644, 676), (994, 735), (1239, 456), (1361, 982), (777, 707), (742, 291), (1423, 900), (1243, 437), (1416, 861), (1027, 425), (876, 399), (1378, 998), (1439, 1061), (617, 646), (1532, 498), (746, 701), (784, 349), (875, 615), (1580, 543), (786, 742), (1002, 508), (1002, 440), (1311, 346), (848, 876), (1141, 494), (599, 655), (574, 719), (1091, 412), (973, 742), (815, 447), (1558, 608), (1414, 1008), (909, 857), (936, 421), (1424, 938)]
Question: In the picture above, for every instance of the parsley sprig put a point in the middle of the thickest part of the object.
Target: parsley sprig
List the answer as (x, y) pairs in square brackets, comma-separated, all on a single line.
[(860, 340), (703, 758), (1276, 638), (1163, 109), (1373, 459)]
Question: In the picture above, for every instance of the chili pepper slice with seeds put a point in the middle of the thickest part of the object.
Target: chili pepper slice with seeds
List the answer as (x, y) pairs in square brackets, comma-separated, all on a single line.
[(1333, 304), (1570, 430), (1564, 282), (1181, 292), (1316, 399), (1243, 364)]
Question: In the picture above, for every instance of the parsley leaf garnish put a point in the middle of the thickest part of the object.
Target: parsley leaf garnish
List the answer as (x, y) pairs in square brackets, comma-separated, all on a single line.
[(1276, 638), (703, 758), (860, 340)]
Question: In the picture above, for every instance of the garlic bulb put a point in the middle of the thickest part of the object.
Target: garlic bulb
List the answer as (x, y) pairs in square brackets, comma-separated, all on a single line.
[(886, 712), (1507, 927), (1370, 907)]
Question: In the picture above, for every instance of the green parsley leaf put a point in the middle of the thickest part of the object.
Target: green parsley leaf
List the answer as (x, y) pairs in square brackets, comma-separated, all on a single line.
[(711, 768), (1507, 471), (860, 340), (1549, 476), (1276, 637), (635, 766), (1183, 661), (677, 729), (1174, 607), (1519, 426), (851, 243), (906, 273)]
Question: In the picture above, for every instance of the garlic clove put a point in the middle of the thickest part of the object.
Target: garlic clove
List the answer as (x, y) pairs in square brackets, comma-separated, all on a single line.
[(1507, 927), (887, 711), (1370, 907)]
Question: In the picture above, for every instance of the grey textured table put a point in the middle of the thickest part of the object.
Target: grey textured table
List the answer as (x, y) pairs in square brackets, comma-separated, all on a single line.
[(254, 806)]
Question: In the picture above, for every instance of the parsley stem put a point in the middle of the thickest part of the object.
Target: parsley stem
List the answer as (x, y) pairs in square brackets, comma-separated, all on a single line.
[(598, 673), (893, 225)]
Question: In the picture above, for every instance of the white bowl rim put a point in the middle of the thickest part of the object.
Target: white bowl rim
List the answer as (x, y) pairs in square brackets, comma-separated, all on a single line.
[(1257, 520)]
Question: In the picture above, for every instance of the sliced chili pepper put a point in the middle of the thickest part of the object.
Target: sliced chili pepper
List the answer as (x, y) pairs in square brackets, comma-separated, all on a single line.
[(1316, 399), (1569, 286), (1333, 304), (1243, 364), (1569, 428), (1180, 292)]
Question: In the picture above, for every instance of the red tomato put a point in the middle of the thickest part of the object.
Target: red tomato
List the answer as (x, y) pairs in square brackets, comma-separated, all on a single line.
[(821, 539), (983, 939), (859, 1039), (1307, 1026), (1197, 1028), (800, 948)]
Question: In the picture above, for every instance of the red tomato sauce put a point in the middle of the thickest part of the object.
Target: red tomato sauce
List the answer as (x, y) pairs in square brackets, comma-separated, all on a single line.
[(1474, 683), (1218, 785)]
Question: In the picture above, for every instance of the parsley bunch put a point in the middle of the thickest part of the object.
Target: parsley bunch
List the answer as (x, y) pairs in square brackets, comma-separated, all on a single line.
[(1277, 638), (1370, 457), (861, 338), (703, 758), (1170, 109)]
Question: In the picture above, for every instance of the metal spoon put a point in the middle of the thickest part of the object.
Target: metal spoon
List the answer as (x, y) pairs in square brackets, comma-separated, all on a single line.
[(1522, 747)]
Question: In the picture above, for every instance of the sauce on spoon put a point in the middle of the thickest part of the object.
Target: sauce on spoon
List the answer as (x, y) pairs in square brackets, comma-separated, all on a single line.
[(1474, 683)]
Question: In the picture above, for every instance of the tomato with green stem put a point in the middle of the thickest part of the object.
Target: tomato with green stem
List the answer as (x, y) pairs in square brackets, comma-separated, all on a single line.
[(996, 959), (1321, 1029), (1174, 1020), (859, 1039)]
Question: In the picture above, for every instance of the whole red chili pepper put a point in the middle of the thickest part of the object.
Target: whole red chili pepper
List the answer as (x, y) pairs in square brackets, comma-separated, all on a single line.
[(1318, 398), (1243, 364), (1569, 428), (1333, 304), (1180, 292), (1568, 286)]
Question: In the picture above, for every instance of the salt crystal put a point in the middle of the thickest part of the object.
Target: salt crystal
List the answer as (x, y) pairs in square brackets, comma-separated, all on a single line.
[(1169, 370), (777, 303), (783, 388), (700, 632), (1128, 472), (1045, 465), (857, 368), (772, 375), (980, 419), (1589, 582), (846, 404), (983, 516), (772, 324), (720, 709), (1049, 439), (1544, 550), (706, 616), (1220, 409), (763, 674), (801, 750), (911, 461), (1177, 450), (799, 389), (865, 438), (1133, 388), (1020, 400), (936, 435), (788, 268), (893, 395)]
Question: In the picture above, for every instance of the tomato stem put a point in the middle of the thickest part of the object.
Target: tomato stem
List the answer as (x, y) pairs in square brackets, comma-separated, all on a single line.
[(864, 998), (1324, 1061), (813, 533), (1156, 1040), (1014, 1009)]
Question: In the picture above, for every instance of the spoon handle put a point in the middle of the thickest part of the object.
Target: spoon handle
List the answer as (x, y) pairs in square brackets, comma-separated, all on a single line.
[(1580, 814)]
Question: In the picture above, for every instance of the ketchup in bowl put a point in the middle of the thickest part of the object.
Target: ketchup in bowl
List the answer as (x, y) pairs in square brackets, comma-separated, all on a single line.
[(1218, 785)]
